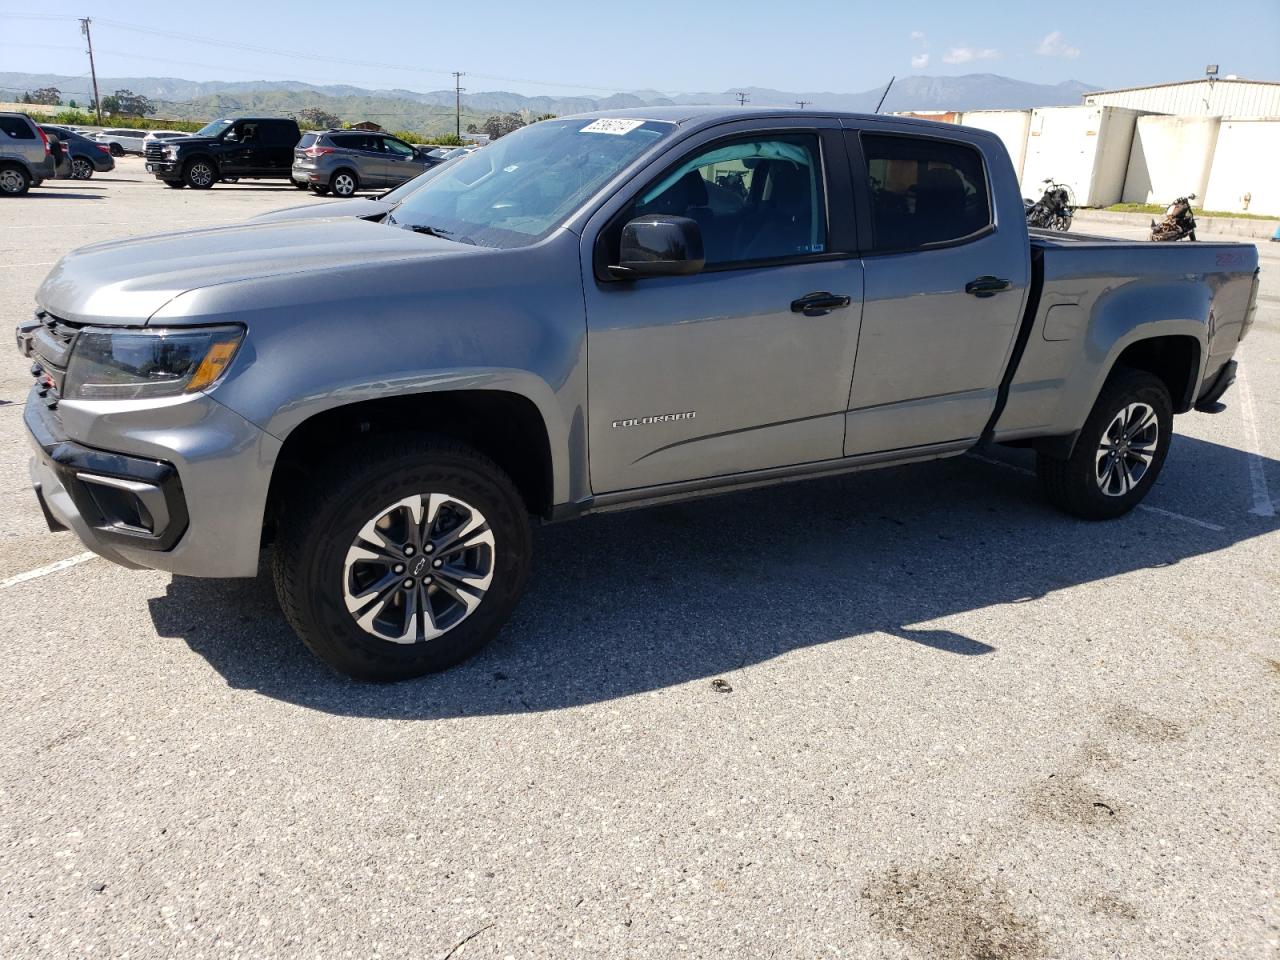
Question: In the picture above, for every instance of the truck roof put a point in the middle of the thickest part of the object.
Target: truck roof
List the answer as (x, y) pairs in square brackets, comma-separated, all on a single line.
[(708, 115)]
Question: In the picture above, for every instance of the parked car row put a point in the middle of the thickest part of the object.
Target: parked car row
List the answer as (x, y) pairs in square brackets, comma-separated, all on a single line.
[(338, 162)]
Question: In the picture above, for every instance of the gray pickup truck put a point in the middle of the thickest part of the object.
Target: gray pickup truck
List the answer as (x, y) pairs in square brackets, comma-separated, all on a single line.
[(593, 313)]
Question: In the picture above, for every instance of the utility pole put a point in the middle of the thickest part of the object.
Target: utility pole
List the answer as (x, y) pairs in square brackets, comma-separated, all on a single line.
[(742, 97), (803, 103), (457, 103), (97, 100)]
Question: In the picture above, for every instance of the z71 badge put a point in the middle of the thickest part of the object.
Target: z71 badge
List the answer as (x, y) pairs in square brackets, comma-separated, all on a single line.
[(657, 418)]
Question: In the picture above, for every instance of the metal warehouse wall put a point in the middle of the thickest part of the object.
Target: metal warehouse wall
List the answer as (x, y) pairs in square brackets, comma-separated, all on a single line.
[(1197, 98), (1011, 126)]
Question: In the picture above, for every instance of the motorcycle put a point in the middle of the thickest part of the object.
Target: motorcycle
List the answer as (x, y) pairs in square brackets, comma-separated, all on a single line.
[(1178, 221), (1054, 210)]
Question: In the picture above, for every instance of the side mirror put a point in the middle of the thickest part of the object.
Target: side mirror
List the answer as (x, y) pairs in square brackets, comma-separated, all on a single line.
[(658, 245)]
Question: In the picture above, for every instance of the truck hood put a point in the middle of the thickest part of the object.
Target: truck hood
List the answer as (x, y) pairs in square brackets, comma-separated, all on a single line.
[(126, 281)]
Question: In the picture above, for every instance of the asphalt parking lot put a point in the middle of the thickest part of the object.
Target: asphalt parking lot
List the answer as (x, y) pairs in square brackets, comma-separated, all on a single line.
[(957, 724)]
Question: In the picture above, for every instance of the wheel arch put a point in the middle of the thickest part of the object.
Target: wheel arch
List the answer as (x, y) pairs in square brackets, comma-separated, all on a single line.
[(507, 427)]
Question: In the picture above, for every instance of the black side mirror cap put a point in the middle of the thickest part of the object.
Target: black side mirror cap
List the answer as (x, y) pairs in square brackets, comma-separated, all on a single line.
[(658, 245)]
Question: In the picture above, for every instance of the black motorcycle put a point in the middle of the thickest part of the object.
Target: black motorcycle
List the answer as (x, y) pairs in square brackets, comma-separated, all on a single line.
[(1054, 210), (1178, 221)]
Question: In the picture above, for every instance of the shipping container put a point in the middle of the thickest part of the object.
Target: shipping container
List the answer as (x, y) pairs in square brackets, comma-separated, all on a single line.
[(1086, 148), (1170, 158), (1243, 178), (1011, 126)]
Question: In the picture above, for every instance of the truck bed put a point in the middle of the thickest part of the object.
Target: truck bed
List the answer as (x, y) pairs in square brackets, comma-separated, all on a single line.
[(1093, 296)]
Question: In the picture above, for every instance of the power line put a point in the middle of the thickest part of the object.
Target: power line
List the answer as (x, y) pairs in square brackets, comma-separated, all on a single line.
[(803, 103), (743, 98)]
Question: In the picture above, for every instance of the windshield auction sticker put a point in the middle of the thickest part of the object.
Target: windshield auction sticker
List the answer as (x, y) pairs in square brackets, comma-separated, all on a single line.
[(616, 127)]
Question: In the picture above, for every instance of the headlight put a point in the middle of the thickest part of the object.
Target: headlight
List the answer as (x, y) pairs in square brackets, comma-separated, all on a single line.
[(171, 153), (133, 364)]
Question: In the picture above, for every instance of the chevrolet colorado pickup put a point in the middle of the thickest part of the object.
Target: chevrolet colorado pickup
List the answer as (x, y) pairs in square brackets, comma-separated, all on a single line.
[(593, 313)]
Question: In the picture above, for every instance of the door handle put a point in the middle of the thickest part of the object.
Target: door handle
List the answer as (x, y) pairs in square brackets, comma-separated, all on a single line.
[(986, 286), (816, 304)]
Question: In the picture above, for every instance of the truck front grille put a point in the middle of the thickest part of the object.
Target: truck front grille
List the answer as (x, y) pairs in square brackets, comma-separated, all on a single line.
[(48, 341), (154, 151)]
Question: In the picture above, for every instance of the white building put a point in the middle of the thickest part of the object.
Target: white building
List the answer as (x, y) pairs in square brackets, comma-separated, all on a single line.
[(1227, 97)]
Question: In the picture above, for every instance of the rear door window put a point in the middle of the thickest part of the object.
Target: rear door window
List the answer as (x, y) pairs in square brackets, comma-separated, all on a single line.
[(924, 192)]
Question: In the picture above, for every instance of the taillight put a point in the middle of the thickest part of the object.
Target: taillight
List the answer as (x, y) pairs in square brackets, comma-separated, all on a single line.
[(102, 148), (313, 152), (45, 137)]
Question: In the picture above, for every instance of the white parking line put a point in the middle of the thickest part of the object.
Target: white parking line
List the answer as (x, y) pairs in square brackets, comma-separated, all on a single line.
[(43, 571), (1263, 506), (1142, 506)]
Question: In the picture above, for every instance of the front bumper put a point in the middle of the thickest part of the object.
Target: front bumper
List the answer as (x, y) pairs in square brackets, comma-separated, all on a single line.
[(178, 484), (165, 169)]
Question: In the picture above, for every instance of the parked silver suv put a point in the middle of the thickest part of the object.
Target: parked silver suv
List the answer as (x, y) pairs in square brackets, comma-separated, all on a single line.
[(24, 154), (344, 161)]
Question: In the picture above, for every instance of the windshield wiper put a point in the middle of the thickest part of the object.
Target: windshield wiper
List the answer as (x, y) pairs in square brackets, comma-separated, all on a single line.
[(427, 230)]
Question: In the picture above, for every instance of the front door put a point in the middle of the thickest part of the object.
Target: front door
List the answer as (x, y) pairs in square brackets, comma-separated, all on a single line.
[(397, 162), (944, 294), (728, 371), (240, 157)]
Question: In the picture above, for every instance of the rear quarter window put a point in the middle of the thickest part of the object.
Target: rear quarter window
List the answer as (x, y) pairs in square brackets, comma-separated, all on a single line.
[(17, 128), (308, 140)]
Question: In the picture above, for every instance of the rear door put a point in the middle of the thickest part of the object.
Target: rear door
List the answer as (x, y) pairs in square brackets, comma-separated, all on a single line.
[(276, 150), (726, 371), (945, 284)]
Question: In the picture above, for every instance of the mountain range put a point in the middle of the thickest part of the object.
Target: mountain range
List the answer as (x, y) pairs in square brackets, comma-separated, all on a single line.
[(432, 111)]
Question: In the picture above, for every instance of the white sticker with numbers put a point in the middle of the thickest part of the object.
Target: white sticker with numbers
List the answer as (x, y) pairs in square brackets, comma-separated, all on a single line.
[(616, 127)]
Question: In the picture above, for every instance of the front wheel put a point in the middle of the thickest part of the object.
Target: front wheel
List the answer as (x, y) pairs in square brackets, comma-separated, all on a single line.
[(117, 150), (402, 561), (1119, 452), (199, 174)]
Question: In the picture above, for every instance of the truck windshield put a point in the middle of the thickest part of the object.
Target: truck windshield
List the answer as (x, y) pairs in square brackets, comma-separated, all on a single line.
[(213, 129), (521, 187)]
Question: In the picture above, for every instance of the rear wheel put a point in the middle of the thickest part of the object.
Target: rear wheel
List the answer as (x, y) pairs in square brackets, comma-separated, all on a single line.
[(404, 560), (1119, 452), (117, 150), (81, 169), (344, 184), (14, 181), (199, 173)]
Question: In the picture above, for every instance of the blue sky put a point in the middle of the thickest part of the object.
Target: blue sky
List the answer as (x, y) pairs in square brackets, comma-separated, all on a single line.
[(560, 47)]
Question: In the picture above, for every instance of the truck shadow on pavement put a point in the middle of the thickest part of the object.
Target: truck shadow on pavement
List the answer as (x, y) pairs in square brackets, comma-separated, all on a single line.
[(627, 603)]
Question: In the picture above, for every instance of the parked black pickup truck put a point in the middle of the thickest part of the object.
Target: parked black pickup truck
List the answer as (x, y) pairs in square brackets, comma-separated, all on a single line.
[(258, 148)]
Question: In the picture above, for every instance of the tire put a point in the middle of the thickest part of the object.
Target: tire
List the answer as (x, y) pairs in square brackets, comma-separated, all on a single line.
[(81, 169), (344, 183), (298, 186), (1084, 484), (319, 189), (315, 573), (176, 184), (14, 180), (117, 150), (199, 174)]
